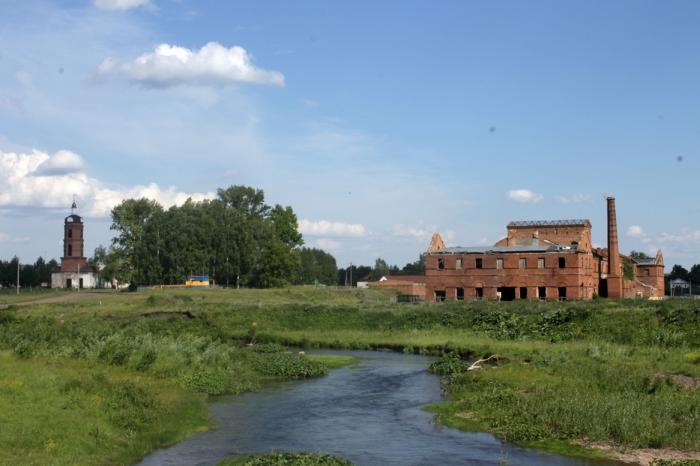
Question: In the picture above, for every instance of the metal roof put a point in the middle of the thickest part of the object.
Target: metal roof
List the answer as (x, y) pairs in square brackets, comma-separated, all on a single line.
[(646, 261), (506, 249), (551, 223)]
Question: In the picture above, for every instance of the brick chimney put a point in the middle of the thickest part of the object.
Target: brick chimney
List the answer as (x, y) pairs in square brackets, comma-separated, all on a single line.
[(614, 270)]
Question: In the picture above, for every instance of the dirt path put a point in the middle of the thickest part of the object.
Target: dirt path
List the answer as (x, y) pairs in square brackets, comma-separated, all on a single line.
[(642, 456)]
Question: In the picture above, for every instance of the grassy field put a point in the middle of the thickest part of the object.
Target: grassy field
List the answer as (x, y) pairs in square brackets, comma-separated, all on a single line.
[(599, 372)]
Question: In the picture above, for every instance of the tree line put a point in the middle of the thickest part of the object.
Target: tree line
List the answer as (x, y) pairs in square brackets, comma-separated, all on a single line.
[(237, 239), (30, 275)]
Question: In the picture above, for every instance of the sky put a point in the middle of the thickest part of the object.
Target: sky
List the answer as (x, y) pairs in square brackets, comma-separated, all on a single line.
[(379, 122)]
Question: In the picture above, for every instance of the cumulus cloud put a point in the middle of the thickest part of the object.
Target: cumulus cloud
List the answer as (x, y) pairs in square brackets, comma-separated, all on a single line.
[(328, 244), (326, 228), (62, 162), (213, 64), (635, 231), (418, 232), (573, 199), (50, 181), (120, 4), (524, 196)]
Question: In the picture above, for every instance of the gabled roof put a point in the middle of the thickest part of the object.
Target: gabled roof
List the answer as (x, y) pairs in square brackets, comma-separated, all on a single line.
[(645, 261), (550, 223)]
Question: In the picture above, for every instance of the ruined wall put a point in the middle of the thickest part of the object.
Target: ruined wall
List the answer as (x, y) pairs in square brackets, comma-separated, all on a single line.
[(576, 276), (564, 235)]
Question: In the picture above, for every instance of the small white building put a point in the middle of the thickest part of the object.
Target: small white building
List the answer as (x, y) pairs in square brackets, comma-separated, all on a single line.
[(74, 271)]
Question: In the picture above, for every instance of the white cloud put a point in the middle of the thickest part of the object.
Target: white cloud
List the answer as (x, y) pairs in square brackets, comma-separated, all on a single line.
[(635, 231), (120, 4), (62, 162), (213, 64), (50, 181), (328, 244), (685, 236), (524, 196), (419, 232), (326, 228), (573, 199)]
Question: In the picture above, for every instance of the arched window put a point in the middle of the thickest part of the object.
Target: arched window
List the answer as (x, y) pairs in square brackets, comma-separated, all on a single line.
[(70, 250)]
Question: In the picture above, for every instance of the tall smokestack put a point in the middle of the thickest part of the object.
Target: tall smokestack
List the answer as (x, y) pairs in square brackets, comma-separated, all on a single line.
[(614, 277)]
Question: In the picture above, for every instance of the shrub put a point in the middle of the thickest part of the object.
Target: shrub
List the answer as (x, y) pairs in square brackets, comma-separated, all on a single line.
[(287, 366), (288, 459)]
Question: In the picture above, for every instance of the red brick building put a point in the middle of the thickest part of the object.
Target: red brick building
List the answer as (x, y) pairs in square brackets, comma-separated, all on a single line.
[(542, 260), (74, 272)]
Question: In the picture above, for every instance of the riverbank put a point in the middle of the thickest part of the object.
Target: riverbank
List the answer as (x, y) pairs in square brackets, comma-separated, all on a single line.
[(602, 371)]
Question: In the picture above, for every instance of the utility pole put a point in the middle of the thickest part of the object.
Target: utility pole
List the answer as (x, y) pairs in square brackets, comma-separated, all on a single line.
[(17, 275), (350, 274)]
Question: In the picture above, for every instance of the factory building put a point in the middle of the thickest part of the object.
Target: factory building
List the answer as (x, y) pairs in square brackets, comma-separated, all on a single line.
[(548, 260)]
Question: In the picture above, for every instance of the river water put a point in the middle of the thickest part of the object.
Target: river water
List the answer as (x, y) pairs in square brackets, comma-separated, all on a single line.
[(369, 414)]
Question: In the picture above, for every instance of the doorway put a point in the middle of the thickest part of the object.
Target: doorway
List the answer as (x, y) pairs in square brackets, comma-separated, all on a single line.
[(507, 293)]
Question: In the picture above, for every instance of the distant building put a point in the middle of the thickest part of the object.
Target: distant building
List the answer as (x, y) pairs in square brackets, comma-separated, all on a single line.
[(408, 285), (541, 260), (74, 271)]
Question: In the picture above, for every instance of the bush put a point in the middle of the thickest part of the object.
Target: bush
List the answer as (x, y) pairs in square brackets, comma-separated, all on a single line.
[(287, 366), (207, 380), (448, 364), (288, 459)]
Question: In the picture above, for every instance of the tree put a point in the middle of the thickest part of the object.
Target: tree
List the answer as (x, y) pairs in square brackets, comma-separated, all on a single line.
[(678, 271), (381, 268), (129, 220), (414, 268), (317, 266), (235, 236), (694, 275), (639, 255)]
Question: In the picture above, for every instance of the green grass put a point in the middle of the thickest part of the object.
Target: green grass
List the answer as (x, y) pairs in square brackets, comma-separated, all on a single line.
[(69, 412), (287, 459), (333, 361), (596, 370)]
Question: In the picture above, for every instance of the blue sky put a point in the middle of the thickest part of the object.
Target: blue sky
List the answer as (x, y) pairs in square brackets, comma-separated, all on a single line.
[(380, 122)]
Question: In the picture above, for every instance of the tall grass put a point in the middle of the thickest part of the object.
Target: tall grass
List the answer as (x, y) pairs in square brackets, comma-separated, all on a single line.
[(598, 370)]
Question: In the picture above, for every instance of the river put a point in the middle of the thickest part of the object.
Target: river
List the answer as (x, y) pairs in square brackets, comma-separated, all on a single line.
[(369, 414)]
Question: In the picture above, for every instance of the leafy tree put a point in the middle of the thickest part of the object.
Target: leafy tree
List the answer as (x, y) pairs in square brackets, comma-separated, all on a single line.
[(414, 268), (317, 266), (639, 255), (694, 274), (236, 236), (678, 271), (381, 268), (351, 275), (130, 220)]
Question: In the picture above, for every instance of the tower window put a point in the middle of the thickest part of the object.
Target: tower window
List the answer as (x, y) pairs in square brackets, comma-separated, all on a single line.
[(523, 263), (562, 263), (499, 264), (70, 250), (458, 263), (540, 263), (479, 263), (441, 263), (70, 233)]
